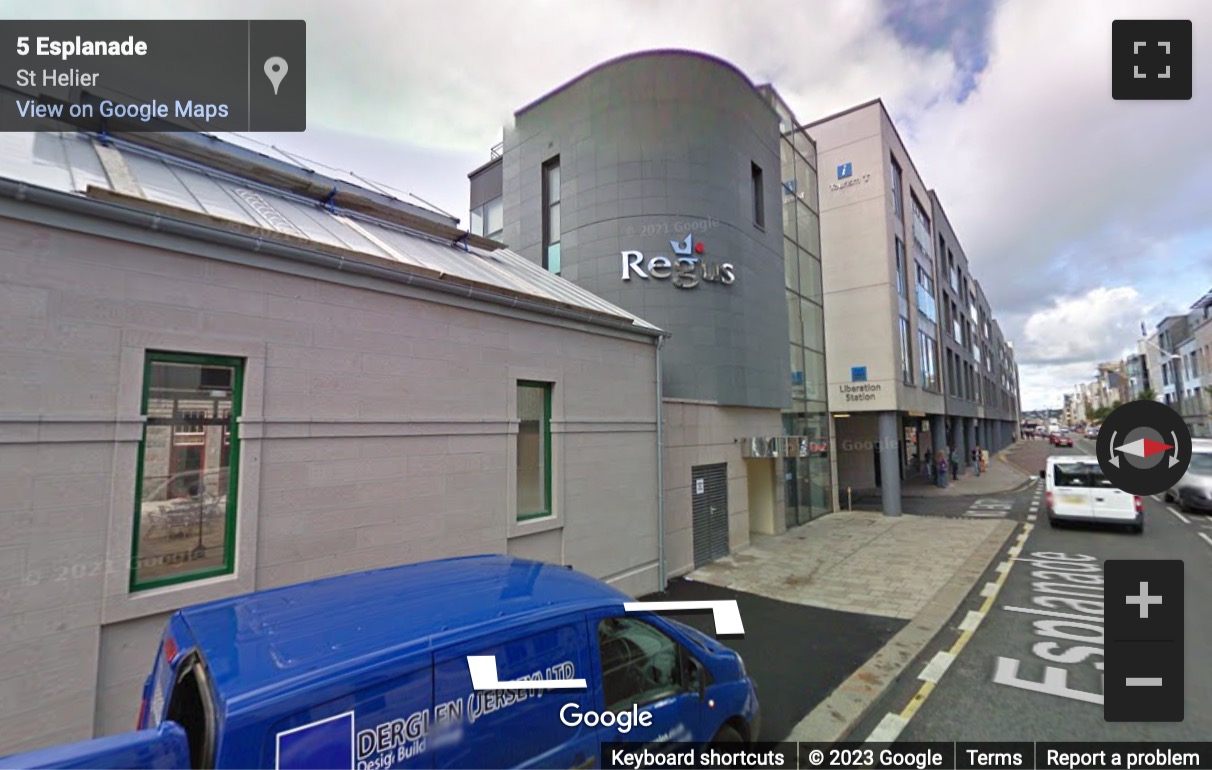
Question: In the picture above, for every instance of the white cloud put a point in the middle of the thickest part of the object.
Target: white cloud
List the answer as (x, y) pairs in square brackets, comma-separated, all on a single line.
[(1061, 345), (1090, 327), (1049, 181), (1056, 189)]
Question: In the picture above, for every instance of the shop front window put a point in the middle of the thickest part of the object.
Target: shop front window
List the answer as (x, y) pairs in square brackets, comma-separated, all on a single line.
[(185, 510)]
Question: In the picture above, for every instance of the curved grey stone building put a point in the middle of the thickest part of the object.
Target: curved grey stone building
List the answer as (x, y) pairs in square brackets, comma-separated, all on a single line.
[(657, 181)]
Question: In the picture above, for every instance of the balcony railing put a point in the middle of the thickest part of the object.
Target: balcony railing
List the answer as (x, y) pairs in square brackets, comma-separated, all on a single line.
[(1193, 406)]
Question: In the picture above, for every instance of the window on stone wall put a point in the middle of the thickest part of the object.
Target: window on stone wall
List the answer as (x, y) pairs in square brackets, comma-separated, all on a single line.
[(185, 489), (906, 352), (759, 195), (551, 215), (534, 450)]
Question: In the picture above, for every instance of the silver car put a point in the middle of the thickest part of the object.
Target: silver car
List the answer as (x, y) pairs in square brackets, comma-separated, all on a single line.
[(1193, 492)]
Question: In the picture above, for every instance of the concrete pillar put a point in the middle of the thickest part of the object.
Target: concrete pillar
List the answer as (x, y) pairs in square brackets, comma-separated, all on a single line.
[(938, 433), (959, 440), (970, 423), (890, 462)]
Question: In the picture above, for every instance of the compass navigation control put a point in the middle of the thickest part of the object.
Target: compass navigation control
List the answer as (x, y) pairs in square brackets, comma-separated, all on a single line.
[(1144, 447)]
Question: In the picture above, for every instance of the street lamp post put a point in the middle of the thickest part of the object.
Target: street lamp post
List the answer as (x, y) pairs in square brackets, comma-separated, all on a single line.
[(1176, 360)]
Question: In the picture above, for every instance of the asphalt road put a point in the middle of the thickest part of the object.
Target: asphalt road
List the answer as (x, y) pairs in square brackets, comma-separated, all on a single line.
[(796, 654), (967, 703)]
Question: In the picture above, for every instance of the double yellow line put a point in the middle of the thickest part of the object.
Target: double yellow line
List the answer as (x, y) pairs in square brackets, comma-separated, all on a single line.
[(1003, 572)]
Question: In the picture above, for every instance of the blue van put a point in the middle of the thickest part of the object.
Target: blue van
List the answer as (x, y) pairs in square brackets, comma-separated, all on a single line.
[(369, 671)]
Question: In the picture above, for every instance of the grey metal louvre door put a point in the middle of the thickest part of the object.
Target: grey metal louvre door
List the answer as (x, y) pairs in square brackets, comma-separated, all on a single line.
[(709, 512)]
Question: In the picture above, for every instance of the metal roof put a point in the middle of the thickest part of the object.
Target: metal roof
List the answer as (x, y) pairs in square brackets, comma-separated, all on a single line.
[(78, 163)]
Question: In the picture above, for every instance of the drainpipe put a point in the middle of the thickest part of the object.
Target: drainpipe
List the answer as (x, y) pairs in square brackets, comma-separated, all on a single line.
[(660, 463)]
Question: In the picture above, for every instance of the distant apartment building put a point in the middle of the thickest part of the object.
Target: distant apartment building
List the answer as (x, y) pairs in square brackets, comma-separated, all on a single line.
[(917, 362), (1171, 332), (1112, 383), (1136, 369), (1196, 353)]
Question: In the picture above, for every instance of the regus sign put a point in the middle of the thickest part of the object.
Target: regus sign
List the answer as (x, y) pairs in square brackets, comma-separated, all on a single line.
[(686, 270)]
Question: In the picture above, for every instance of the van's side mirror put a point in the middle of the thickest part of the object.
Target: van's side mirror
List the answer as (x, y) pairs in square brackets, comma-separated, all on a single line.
[(695, 680), (1043, 474)]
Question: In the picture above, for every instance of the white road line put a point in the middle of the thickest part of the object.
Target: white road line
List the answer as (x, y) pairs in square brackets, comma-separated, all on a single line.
[(1158, 498), (937, 666), (1034, 509), (888, 729), (1181, 518), (989, 590), (1031, 517), (971, 621), (1204, 535)]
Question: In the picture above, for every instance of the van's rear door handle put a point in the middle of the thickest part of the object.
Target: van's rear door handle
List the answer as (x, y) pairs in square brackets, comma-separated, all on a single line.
[(587, 763)]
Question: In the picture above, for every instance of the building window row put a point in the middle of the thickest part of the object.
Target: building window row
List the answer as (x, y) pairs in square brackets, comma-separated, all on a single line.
[(925, 294), (898, 195), (906, 352), (187, 480), (534, 450), (900, 266), (921, 230), (551, 215), (488, 219), (759, 195), (928, 351)]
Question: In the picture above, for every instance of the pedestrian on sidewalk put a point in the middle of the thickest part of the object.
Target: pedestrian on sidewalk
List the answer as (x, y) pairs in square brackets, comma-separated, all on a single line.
[(976, 459), (955, 458), (942, 468)]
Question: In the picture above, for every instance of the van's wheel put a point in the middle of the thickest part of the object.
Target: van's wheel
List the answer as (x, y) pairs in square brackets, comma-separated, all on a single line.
[(727, 734), (1138, 528)]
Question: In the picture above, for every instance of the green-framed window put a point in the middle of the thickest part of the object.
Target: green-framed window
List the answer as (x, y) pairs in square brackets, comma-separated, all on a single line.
[(187, 477), (534, 450)]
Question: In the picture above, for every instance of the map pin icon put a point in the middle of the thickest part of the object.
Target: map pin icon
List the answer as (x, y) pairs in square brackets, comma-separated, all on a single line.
[(275, 70)]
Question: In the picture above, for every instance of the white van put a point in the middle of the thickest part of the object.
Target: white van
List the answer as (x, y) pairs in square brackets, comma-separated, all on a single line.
[(1075, 489)]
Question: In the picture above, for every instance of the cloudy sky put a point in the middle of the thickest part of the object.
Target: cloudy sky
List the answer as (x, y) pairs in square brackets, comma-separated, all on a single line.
[(1082, 216)]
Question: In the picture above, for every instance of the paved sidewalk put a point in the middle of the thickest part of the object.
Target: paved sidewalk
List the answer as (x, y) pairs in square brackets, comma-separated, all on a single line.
[(913, 568), (1000, 476), (854, 561)]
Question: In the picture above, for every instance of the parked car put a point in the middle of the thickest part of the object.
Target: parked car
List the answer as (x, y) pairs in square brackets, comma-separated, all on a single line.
[(1193, 492), (372, 670), (1075, 489)]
